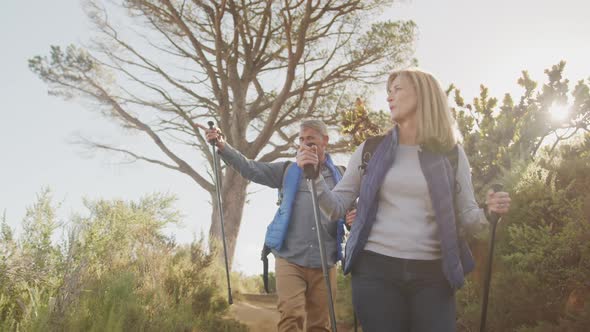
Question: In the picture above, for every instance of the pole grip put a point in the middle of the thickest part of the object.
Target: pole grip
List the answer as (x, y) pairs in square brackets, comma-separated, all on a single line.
[(211, 125), (310, 170)]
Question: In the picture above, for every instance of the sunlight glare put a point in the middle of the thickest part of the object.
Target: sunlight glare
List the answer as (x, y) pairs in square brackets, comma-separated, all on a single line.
[(559, 112)]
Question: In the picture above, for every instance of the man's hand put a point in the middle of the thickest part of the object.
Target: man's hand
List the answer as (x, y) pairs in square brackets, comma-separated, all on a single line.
[(214, 134), (307, 155), (350, 216)]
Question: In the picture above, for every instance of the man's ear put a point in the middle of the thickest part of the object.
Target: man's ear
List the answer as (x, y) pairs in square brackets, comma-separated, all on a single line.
[(326, 139)]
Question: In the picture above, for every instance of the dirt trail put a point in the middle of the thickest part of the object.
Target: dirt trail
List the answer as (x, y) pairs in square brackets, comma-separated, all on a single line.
[(259, 313)]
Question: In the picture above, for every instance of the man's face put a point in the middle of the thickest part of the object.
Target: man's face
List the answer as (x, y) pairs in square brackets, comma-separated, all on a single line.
[(309, 135)]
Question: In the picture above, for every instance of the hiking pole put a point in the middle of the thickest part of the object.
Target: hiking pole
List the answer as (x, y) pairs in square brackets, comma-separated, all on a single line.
[(218, 190), (488, 277), (310, 175)]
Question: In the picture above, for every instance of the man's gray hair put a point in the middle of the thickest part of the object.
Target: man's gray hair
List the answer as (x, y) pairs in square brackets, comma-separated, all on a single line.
[(317, 125)]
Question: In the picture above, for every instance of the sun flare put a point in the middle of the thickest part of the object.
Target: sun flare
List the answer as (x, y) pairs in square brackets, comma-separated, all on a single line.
[(559, 112)]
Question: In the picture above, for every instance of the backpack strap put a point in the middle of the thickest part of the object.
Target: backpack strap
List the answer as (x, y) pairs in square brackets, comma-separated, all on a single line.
[(368, 149), (453, 157), (280, 188)]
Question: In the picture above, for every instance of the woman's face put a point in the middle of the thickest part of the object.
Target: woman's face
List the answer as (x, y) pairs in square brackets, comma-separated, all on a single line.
[(402, 99)]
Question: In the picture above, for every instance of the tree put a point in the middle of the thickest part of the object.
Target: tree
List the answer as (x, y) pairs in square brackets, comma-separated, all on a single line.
[(498, 139), (256, 67)]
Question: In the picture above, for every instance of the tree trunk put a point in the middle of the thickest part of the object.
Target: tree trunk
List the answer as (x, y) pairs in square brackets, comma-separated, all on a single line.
[(233, 196)]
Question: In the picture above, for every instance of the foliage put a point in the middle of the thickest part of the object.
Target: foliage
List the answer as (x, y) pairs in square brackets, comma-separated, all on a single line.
[(540, 281), (543, 244), (499, 138), (116, 271), (360, 124)]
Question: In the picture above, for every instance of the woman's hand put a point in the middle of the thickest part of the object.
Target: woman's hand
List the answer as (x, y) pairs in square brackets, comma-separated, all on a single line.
[(498, 202)]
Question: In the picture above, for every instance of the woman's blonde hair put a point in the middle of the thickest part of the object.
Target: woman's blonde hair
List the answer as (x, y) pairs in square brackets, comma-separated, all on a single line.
[(436, 127)]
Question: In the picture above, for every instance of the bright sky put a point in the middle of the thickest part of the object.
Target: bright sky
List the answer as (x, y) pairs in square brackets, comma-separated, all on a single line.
[(460, 41)]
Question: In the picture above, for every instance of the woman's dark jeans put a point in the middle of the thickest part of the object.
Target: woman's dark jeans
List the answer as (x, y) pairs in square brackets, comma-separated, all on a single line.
[(393, 294)]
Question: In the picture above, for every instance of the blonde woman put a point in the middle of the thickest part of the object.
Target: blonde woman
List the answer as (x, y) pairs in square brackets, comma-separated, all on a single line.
[(404, 251)]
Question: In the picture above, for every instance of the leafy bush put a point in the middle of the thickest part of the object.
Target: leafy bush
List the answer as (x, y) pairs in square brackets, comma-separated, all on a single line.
[(540, 279), (116, 271)]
